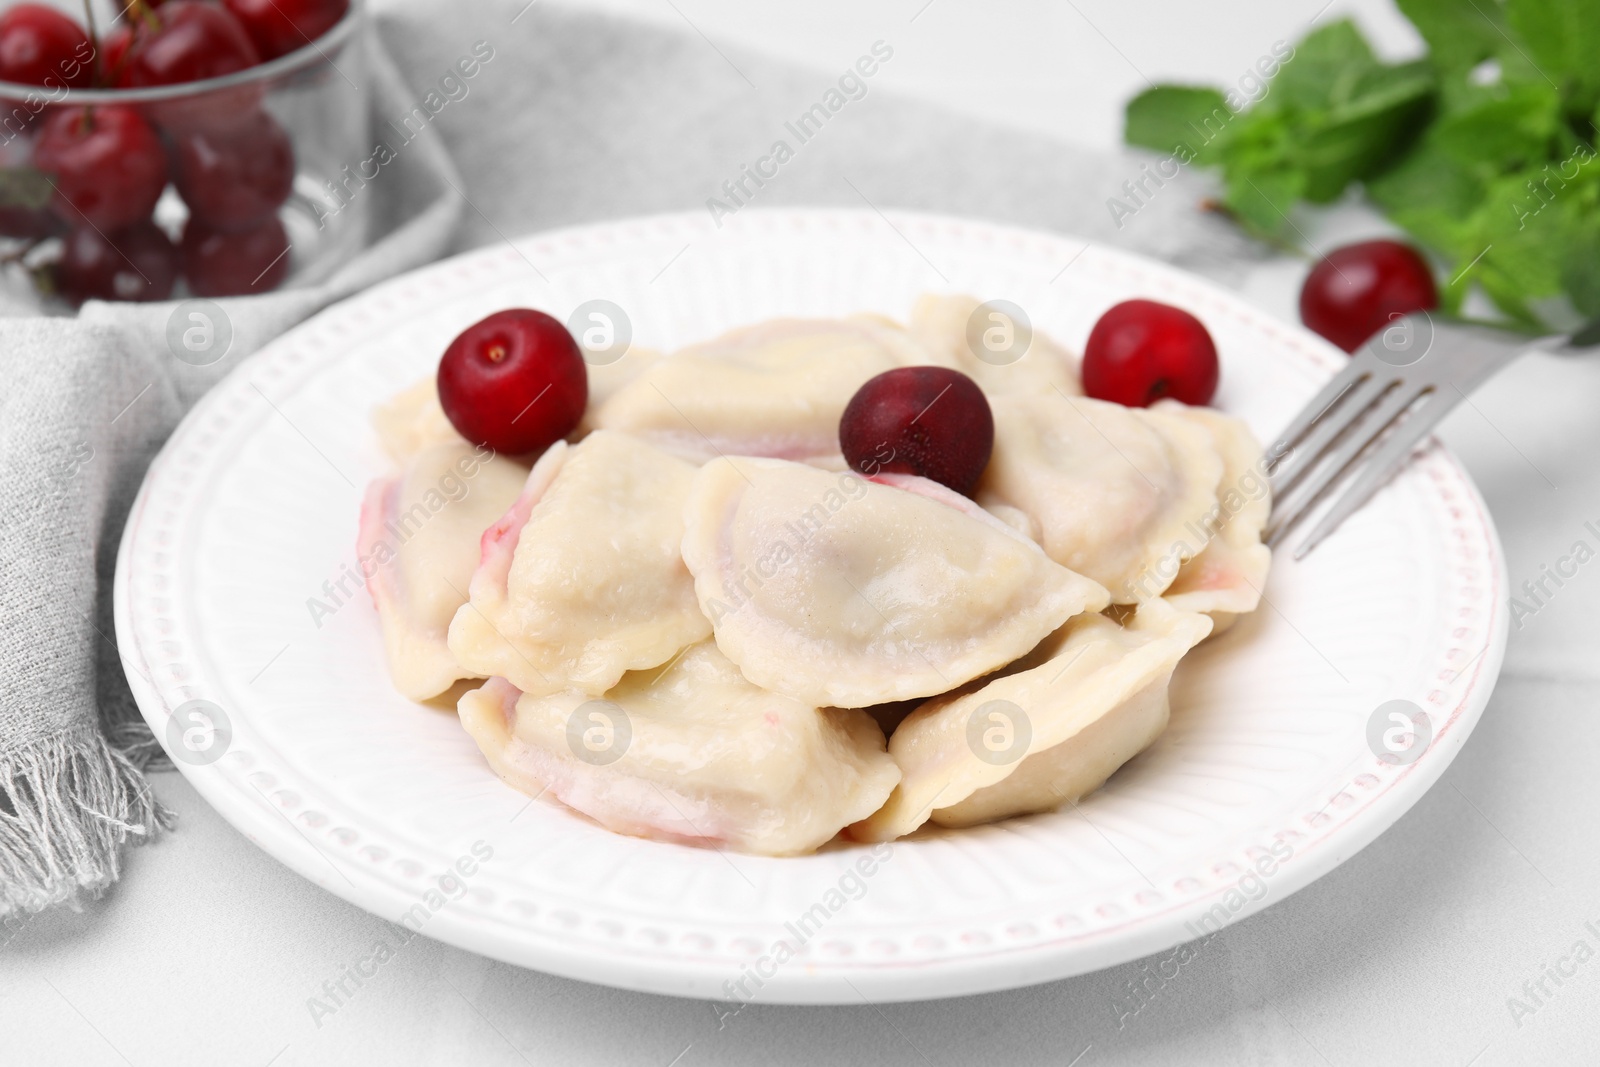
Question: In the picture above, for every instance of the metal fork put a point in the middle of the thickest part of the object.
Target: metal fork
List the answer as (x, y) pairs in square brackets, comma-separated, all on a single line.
[(1361, 428)]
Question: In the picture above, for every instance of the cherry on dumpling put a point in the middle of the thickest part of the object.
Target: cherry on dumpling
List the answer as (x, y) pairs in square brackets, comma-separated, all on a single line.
[(514, 382), (1142, 351), (930, 421)]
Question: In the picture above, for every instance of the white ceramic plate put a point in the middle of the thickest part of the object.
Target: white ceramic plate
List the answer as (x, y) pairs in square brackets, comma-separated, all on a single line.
[(252, 506)]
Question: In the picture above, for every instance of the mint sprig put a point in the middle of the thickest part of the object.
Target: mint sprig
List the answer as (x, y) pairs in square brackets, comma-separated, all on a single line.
[(1484, 152)]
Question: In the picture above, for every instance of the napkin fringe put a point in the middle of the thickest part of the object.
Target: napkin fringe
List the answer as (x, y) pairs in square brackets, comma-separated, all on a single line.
[(68, 805)]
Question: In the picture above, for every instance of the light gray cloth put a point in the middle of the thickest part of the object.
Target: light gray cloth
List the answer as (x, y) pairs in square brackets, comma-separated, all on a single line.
[(578, 117), (85, 402)]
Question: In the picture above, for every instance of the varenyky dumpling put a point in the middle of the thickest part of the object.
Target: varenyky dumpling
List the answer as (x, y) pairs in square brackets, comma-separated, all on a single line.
[(693, 753), (418, 545), (608, 379), (412, 420), (581, 580), (1011, 363), (1113, 491), (1046, 733), (1226, 578), (777, 389), (838, 591)]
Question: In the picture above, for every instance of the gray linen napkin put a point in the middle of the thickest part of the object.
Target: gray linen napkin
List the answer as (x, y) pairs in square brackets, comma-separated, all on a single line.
[(577, 117), (85, 402)]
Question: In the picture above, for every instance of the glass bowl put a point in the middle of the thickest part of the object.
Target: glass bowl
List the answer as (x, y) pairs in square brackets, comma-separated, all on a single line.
[(306, 113)]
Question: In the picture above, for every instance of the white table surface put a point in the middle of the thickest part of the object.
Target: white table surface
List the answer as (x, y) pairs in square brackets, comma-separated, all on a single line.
[(207, 951)]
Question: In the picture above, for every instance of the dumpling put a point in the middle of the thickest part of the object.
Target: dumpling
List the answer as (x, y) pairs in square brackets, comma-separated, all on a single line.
[(1226, 578), (418, 546), (838, 591), (693, 753), (941, 324), (777, 389), (581, 579), (1118, 494), (606, 380), (412, 420), (1048, 732)]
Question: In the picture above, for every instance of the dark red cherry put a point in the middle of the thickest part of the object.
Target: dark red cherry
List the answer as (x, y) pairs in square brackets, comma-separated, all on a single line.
[(136, 263), (931, 421), (515, 382), (41, 46), (1359, 289), (278, 27), (28, 222), (234, 177), (235, 262), (107, 164), (1142, 351), (188, 41)]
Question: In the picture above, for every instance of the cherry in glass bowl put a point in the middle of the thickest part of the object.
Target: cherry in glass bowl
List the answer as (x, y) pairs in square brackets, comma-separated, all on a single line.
[(232, 127)]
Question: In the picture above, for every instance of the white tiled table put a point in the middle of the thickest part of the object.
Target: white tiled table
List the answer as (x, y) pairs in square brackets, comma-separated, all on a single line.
[(208, 950)]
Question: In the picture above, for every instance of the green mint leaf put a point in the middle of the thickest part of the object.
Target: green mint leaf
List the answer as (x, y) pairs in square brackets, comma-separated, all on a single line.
[(1326, 70), (1520, 126), (1433, 195), (1169, 116), (1580, 271), (1562, 37), (1366, 133), (1460, 33), (1263, 199), (1529, 228)]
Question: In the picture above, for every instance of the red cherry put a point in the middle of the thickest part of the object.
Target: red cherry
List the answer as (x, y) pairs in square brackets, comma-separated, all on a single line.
[(235, 262), (1142, 351), (137, 263), (189, 41), (28, 222), (233, 178), (1359, 289), (115, 44), (107, 164), (41, 46), (515, 382), (278, 27), (930, 421)]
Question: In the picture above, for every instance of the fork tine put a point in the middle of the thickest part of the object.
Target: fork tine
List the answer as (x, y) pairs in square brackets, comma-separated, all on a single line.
[(1386, 461), (1322, 403), (1351, 406), (1291, 509)]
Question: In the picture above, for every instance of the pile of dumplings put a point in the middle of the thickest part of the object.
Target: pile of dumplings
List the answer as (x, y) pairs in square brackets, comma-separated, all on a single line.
[(698, 625)]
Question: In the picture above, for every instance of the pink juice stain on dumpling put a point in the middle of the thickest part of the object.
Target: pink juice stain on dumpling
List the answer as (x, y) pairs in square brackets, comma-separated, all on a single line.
[(418, 546), (691, 754), (498, 545), (581, 580)]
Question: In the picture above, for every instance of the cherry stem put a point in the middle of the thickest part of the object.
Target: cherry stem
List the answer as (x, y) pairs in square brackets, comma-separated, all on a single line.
[(97, 68), (140, 11)]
